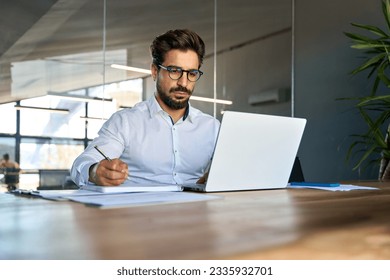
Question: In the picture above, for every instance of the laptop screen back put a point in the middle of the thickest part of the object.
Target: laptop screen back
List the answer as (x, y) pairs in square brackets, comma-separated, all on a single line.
[(254, 151)]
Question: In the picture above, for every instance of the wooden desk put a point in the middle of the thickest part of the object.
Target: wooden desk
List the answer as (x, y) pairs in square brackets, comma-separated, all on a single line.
[(272, 224)]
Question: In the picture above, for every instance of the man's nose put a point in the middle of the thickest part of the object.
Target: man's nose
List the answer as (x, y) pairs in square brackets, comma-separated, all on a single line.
[(183, 81)]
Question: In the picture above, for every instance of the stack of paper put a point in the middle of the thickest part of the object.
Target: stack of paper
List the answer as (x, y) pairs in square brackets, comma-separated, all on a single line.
[(121, 196), (331, 188)]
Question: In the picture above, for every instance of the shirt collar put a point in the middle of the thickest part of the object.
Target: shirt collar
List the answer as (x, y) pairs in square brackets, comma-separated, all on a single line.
[(155, 108)]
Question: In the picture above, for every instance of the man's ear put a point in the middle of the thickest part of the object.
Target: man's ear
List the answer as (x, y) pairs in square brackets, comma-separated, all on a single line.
[(154, 70)]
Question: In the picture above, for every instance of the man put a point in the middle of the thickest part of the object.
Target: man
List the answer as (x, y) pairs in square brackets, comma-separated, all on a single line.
[(7, 163), (11, 171), (163, 140)]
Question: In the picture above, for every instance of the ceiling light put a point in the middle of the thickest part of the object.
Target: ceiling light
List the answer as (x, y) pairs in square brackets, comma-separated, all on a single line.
[(93, 118), (82, 98), (212, 100), (129, 68), (50, 110)]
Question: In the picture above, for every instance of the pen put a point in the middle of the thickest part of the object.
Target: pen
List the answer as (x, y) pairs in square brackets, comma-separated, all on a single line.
[(106, 157), (315, 184)]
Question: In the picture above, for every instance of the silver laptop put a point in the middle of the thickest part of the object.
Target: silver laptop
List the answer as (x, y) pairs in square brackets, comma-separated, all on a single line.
[(253, 151)]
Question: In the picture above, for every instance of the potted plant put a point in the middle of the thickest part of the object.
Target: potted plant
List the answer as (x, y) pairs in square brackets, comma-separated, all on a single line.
[(374, 144)]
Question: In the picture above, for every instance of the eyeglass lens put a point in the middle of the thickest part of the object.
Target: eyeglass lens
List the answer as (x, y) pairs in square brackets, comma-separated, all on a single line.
[(176, 73)]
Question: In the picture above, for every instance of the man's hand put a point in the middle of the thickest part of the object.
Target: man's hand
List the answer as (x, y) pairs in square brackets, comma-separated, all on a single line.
[(109, 173)]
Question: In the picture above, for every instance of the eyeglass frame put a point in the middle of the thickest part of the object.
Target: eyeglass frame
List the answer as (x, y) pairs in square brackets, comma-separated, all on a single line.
[(168, 69)]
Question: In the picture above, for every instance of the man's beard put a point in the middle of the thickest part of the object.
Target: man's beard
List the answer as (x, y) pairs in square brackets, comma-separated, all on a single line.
[(169, 101)]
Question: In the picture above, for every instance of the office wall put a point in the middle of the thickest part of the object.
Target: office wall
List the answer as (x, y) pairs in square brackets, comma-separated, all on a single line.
[(323, 59), (250, 70)]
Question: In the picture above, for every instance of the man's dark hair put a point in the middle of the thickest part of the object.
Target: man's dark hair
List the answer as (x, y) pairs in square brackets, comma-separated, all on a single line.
[(179, 39), (6, 156)]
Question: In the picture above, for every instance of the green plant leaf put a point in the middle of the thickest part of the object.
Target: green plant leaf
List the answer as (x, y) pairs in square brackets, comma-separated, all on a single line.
[(366, 100), (374, 135), (382, 74), (364, 157), (375, 85), (369, 63), (363, 46), (373, 29), (370, 146), (359, 38)]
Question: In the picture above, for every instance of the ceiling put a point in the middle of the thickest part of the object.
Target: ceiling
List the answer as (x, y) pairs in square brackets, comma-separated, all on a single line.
[(62, 45)]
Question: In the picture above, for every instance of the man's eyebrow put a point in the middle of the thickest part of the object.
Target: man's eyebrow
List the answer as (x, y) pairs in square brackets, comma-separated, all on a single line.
[(191, 69)]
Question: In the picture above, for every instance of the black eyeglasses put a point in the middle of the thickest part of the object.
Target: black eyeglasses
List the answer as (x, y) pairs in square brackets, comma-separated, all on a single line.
[(175, 73)]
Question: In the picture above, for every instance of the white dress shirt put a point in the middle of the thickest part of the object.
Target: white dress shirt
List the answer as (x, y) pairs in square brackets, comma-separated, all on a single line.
[(156, 150)]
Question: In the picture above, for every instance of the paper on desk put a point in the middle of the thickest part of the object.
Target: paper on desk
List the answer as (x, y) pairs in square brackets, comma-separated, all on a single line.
[(99, 190), (334, 189), (126, 187), (140, 199), (63, 194)]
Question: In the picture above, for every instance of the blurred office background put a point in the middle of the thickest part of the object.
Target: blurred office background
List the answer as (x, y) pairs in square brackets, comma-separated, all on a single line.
[(61, 75)]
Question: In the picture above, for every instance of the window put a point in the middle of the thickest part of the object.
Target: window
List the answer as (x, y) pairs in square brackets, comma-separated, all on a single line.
[(8, 118), (42, 123), (49, 153), (7, 146), (50, 140)]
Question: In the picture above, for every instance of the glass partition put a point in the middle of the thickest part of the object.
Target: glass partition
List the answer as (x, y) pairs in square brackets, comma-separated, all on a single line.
[(49, 153), (69, 56), (65, 122), (69, 46), (254, 68), (248, 49)]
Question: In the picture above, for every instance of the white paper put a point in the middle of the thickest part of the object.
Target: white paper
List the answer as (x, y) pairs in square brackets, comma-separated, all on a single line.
[(126, 187), (334, 189), (63, 194), (140, 199)]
